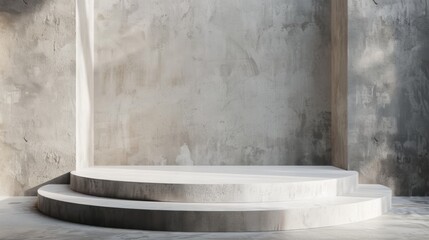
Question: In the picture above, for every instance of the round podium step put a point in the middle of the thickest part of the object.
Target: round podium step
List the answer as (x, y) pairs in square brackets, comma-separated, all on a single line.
[(367, 201), (214, 183)]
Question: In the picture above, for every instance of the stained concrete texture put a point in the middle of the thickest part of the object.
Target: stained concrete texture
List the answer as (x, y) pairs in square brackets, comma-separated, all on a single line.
[(184, 82), (389, 93), (409, 219), (36, 92)]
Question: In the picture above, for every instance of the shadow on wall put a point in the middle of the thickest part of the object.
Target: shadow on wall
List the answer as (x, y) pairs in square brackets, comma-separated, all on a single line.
[(395, 132), (36, 88), (409, 161), (389, 89), (63, 179), (18, 7), (312, 139)]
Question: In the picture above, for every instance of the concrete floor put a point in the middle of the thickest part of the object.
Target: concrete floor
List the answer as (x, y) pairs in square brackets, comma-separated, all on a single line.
[(409, 219)]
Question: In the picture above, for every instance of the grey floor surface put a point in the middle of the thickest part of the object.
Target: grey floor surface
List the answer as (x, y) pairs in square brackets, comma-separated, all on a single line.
[(409, 219)]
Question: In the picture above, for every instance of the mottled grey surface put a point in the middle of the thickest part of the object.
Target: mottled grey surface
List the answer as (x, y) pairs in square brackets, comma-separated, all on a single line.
[(37, 52), (389, 93), (185, 82), (409, 219)]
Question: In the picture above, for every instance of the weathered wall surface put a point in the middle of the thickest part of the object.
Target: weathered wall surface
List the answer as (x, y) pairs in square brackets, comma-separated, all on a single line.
[(37, 68), (389, 93), (212, 82)]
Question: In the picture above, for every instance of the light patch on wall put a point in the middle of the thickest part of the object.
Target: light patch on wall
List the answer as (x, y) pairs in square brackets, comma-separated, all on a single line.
[(364, 95), (369, 122), (184, 158), (383, 98), (388, 125), (12, 96), (374, 56), (84, 83)]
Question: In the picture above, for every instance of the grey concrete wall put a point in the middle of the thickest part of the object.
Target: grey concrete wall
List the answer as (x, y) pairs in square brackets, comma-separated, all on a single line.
[(212, 82), (37, 67), (389, 93)]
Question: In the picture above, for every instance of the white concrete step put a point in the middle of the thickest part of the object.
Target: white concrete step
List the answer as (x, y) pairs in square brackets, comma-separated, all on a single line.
[(214, 183), (368, 201)]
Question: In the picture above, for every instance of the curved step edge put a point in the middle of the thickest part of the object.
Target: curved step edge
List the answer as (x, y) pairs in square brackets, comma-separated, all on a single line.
[(226, 192), (60, 202)]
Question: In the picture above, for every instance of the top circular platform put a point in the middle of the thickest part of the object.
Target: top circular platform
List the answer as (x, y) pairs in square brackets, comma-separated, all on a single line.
[(214, 183)]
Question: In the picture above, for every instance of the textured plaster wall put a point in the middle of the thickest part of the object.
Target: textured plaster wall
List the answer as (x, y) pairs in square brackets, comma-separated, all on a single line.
[(389, 93), (37, 52), (212, 82)]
